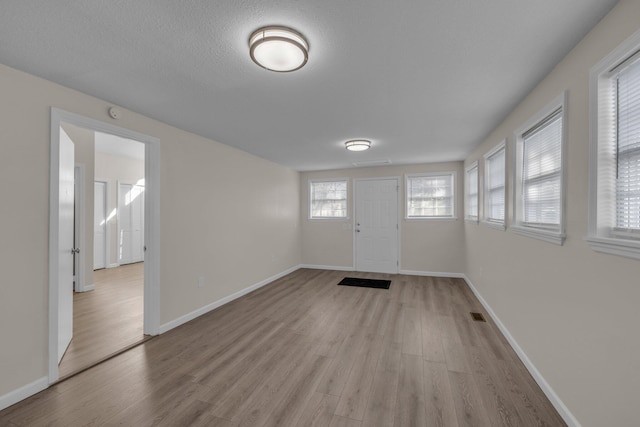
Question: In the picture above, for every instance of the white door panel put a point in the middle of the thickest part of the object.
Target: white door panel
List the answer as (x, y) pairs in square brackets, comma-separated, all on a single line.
[(100, 226), (130, 223), (65, 243), (377, 225)]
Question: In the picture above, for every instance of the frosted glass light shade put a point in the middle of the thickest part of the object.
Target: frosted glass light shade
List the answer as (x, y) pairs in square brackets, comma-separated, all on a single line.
[(278, 49), (357, 145)]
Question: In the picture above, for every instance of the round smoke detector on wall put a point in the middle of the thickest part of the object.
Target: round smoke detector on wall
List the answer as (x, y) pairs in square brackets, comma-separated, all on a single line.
[(114, 113)]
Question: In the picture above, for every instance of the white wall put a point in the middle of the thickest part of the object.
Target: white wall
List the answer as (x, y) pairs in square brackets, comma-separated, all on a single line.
[(225, 215), (425, 245), (573, 311), (113, 169)]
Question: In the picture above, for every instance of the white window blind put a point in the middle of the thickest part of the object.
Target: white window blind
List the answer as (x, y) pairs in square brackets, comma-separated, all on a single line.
[(328, 199), (495, 185), (430, 196), (542, 173), (628, 148), (472, 192)]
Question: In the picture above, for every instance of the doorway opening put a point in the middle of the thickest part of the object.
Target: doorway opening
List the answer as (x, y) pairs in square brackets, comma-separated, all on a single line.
[(114, 302)]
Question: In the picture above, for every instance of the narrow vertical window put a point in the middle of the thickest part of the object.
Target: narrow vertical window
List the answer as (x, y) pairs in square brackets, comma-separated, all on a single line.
[(539, 196), (471, 193), (494, 186)]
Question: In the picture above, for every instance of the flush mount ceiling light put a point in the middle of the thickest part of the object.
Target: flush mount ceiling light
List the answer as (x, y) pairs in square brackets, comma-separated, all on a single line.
[(357, 145), (278, 49)]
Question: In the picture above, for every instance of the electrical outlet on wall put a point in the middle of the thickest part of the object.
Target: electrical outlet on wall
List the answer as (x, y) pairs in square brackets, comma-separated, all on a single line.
[(201, 281)]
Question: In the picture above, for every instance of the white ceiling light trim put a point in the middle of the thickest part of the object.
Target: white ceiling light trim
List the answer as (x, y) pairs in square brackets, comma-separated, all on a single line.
[(357, 145), (279, 49)]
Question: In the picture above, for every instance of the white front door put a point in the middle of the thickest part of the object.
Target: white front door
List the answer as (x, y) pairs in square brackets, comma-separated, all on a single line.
[(130, 223), (99, 225), (376, 230), (66, 253)]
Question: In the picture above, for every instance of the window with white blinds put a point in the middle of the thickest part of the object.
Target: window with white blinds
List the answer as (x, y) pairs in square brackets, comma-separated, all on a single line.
[(614, 168), (471, 190), (431, 195), (628, 148), (539, 184), (542, 172), (494, 185), (328, 199)]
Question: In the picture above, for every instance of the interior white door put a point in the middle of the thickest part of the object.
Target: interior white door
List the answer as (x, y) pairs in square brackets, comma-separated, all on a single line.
[(376, 231), (66, 250), (99, 225), (130, 223)]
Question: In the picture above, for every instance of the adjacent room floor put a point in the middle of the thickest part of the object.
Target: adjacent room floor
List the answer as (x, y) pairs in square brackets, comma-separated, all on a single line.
[(303, 351), (107, 319)]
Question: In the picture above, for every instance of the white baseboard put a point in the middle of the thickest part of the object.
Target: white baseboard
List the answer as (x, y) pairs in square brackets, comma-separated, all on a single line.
[(86, 288), (326, 267), (114, 265), (23, 392), (562, 409), (432, 274), (207, 308)]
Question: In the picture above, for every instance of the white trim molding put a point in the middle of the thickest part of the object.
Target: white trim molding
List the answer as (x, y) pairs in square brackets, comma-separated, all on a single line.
[(209, 307), (23, 392), (432, 274), (328, 267), (555, 400), (625, 248)]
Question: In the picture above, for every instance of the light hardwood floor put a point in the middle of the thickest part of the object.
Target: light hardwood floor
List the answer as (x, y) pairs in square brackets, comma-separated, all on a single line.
[(305, 352), (107, 319)]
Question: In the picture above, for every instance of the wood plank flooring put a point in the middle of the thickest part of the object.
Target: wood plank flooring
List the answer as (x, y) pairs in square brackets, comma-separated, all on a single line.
[(107, 319), (302, 351)]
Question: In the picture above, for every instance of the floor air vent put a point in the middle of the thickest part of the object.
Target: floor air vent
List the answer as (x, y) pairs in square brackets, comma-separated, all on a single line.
[(478, 317)]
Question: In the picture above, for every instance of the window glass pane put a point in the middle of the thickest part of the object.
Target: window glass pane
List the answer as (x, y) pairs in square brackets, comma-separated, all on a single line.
[(495, 186), (472, 192), (430, 196), (628, 143), (329, 199), (541, 172)]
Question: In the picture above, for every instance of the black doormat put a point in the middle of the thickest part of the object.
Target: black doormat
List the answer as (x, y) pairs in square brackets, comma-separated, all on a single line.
[(365, 283)]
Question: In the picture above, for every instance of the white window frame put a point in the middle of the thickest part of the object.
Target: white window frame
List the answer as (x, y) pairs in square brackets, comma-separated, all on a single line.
[(473, 168), (328, 218), (557, 234), (452, 176), (602, 233), (486, 220)]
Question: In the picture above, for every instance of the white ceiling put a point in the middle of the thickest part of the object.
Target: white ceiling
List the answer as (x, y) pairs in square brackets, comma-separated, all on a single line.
[(425, 80)]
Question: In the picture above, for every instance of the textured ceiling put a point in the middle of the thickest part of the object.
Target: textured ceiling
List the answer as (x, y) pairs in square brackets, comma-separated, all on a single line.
[(425, 80)]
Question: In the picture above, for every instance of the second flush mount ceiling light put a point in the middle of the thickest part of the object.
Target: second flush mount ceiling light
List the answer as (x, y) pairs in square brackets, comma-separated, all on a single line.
[(279, 49)]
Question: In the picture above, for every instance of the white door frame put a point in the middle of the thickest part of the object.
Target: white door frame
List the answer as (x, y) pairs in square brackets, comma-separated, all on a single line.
[(78, 224), (106, 225), (152, 225), (355, 214)]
